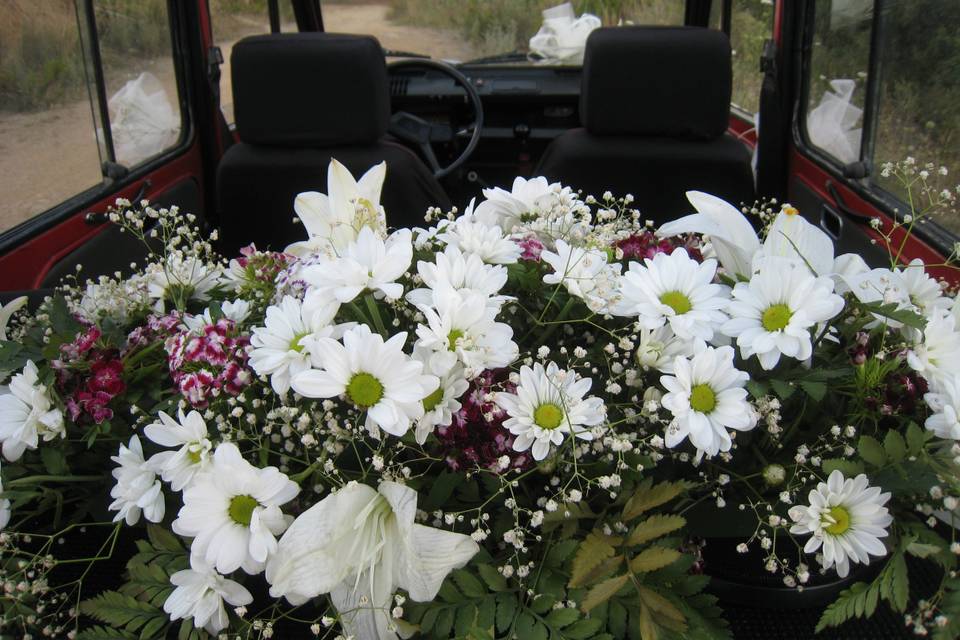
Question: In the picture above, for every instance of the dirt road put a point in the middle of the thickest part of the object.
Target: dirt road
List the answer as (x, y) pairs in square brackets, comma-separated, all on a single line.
[(48, 156)]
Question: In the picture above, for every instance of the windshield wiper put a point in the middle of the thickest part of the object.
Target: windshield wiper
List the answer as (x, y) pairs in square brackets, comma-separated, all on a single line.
[(393, 53), (512, 56)]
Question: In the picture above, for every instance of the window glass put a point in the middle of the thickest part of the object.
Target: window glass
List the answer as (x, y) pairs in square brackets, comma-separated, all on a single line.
[(136, 52), (751, 24), (233, 20), (465, 30), (48, 148), (837, 80), (918, 111)]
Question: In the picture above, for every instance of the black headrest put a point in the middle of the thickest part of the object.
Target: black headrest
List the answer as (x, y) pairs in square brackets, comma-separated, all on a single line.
[(656, 81), (310, 89)]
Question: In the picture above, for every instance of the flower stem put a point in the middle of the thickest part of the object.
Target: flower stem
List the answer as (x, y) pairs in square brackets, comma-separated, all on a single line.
[(375, 314)]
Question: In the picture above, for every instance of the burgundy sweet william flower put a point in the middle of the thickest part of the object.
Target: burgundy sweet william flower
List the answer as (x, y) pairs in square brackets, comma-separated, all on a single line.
[(107, 377), (532, 248)]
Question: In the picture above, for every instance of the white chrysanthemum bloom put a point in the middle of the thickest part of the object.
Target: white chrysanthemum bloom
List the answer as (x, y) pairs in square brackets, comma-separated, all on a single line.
[(334, 220), (457, 270), (944, 403), (137, 489), (937, 355), (236, 311), (772, 315), (233, 512), (375, 376), (462, 322), (360, 546), (706, 396), (200, 594), (923, 292), (489, 243), (658, 348), (367, 264), (282, 347), (179, 277), (549, 403), (27, 414), (585, 273), (677, 290), (847, 518), (439, 406), (507, 209), (193, 454)]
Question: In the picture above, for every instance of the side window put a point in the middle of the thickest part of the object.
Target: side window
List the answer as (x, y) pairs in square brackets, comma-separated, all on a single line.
[(749, 23), (918, 99), (906, 109), (837, 77), (233, 20), (83, 94)]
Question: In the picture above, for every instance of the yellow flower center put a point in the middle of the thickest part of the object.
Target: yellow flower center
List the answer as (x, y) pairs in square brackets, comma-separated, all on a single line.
[(241, 509), (548, 416), (776, 317), (790, 211), (676, 301), (702, 398), (295, 343), (194, 455), (432, 400), (364, 390), (839, 518), (452, 337)]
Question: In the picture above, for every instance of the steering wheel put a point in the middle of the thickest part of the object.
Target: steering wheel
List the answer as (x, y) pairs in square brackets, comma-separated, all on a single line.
[(416, 131)]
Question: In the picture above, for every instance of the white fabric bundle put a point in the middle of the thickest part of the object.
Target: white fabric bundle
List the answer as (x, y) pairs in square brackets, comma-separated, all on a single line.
[(562, 37)]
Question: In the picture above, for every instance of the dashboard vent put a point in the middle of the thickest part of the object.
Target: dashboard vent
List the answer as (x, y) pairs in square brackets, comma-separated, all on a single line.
[(398, 85)]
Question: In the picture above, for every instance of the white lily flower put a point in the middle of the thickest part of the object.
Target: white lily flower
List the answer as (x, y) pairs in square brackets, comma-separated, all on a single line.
[(733, 238), (27, 413), (334, 220), (7, 311), (360, 546), (792, 236), (367, 264)]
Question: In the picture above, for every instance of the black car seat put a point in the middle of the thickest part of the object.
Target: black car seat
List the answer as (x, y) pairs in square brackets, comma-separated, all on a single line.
[(654, 105), (301, 99)]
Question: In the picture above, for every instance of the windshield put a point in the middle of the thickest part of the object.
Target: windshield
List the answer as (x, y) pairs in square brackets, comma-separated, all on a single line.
[(501, 31)]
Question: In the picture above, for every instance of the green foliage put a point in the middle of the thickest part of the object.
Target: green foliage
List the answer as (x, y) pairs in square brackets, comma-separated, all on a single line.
[(860, 600), (136, 608)]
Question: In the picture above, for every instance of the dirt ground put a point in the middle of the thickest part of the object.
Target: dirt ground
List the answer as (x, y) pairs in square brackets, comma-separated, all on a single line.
[(48, 156)]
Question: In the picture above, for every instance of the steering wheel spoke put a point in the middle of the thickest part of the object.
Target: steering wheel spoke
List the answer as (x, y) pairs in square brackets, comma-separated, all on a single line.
[(422, 134)]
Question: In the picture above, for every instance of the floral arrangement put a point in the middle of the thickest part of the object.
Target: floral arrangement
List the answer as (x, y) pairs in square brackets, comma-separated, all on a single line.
[(497, 426)]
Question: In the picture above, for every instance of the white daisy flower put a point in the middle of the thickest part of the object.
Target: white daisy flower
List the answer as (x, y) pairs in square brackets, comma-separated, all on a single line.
[(489, 243), (585, 273), (463, 322), (457, 270), (706, 396), (375, 376), (772, 315), (677, 290), (233, 512), (937, 355), (137, 489), (27, 413), (282, 347), (200, 594), (367, 264), (334, 220), (944, 403), (193, 455), (549, 403), (439, 406), (658, 348), (847, 518)]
